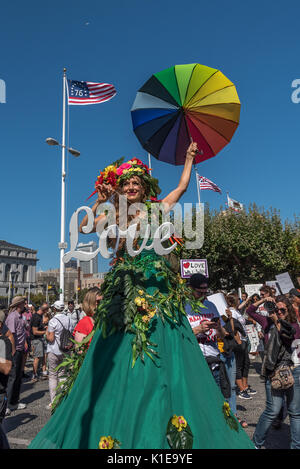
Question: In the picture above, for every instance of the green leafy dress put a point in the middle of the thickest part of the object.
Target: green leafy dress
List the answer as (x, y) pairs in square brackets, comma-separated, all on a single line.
[(143, 382)]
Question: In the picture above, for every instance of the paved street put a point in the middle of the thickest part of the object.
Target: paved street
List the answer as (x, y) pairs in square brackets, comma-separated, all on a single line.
[(23, 425)]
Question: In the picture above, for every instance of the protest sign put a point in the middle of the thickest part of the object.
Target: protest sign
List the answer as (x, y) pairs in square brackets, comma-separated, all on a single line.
[(189, 267), (274, 284), (285, 282), (218, 299), (253, 288)]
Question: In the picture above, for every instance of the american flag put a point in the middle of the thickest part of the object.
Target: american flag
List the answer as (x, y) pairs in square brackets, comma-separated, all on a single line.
[(205, 183), (87, 92)]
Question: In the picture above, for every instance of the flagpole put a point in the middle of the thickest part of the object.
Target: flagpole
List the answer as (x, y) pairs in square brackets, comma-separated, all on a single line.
[(62, 244), (198, 186)]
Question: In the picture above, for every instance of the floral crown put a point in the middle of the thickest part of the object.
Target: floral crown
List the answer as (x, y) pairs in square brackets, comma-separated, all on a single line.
[(136, 167), (107, 176), (118, 172)]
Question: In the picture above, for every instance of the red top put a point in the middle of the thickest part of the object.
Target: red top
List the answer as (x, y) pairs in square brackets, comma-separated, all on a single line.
[(84, 326)]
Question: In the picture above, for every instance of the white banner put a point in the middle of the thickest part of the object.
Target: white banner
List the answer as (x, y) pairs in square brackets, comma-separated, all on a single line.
[(274, 284), (218, 299), (253, 288), (285, 282)]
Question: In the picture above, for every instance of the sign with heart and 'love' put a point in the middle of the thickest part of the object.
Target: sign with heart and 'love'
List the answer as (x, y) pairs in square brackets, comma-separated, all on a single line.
[(188, 267)]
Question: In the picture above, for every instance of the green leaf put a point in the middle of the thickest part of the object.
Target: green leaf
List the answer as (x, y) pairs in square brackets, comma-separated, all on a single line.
[(179, 440)]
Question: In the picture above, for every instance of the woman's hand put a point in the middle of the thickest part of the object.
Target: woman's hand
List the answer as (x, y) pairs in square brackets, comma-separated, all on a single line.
[(191, 151), (104, 192), (274, 318), (270, 298)]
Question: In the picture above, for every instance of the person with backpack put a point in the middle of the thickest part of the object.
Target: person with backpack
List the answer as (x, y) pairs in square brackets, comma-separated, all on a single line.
[(59, 332)]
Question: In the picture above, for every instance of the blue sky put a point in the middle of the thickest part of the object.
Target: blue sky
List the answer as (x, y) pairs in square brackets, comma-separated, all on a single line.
[(255, 45)]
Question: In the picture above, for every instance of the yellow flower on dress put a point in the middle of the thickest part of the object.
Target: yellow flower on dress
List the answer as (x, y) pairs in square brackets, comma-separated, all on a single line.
[(146, 318), (179, 422), (226, 408), (138, 301), (106, 442), (140, 292), (151, 313)]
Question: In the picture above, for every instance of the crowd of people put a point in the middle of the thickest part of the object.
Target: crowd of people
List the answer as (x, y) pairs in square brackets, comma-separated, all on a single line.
[(264, 324), (26, 331)]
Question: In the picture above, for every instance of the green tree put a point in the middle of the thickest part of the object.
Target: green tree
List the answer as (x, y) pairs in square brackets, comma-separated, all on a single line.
[(247, 247)]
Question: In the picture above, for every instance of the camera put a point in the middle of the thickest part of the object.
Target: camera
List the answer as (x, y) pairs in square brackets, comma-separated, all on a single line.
[(270, 307)]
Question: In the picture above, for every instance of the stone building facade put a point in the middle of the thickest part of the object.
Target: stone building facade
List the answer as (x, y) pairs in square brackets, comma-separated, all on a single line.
[(17, 270), (51, 277)]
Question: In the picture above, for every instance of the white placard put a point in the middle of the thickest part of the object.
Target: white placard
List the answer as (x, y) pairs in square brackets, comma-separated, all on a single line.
[(189, 267), (218, 299), (274, 284), (253, 288), (285, 282)]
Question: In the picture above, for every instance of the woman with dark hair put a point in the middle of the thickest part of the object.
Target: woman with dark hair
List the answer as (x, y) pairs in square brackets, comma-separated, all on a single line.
[(282, 347)]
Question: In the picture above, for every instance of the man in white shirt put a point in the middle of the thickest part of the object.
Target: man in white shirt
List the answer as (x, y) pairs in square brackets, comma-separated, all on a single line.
[(55, 355)]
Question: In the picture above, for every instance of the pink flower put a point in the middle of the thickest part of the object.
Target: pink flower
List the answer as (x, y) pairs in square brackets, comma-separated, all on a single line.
[(122, 167)]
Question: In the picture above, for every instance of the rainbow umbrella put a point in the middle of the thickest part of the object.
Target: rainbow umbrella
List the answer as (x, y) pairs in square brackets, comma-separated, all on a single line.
[(184, 103)]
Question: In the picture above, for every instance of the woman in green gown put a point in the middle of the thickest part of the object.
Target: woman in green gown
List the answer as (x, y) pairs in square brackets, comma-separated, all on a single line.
[(143, 382)]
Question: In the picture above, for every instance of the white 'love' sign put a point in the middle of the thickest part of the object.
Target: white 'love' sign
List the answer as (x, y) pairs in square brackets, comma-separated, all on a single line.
[(162, 233)]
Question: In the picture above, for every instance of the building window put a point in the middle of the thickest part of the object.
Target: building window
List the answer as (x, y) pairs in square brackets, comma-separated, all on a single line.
[(25, 273), (6, 273)]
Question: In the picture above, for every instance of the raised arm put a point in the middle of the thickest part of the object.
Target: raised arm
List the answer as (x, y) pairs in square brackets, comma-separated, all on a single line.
[(170, 200)]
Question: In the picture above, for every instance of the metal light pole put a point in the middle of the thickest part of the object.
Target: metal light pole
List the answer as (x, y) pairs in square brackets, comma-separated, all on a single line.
[(51, 141), (14, 274)]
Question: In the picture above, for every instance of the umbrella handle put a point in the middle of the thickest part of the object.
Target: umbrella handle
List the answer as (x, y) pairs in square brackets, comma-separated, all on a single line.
[(199, 152)]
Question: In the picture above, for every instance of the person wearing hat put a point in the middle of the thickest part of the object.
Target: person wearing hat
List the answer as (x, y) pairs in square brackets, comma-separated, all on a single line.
[(17, 326), (55, 355), (295, 297)]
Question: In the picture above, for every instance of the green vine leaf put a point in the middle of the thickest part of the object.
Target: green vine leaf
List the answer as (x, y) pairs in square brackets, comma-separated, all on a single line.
[(179, 438)]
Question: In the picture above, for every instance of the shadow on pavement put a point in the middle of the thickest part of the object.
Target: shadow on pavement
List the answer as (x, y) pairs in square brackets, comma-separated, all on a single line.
[(14, 421), (34, 397)]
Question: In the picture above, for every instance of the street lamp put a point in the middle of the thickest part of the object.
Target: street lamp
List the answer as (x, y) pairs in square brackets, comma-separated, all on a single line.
[(52, 141), (14, 274), (62, 244)]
